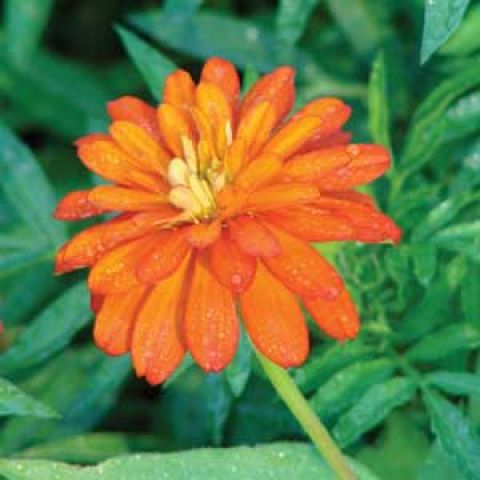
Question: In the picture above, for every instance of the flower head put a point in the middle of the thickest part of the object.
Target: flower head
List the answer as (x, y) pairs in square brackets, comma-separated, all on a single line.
[(218, 200)]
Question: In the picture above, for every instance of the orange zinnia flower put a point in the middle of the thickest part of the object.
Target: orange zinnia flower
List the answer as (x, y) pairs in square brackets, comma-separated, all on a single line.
[(219, 200)]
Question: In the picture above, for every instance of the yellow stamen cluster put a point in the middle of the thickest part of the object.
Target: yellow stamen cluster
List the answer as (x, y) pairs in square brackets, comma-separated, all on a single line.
[(196, 177)]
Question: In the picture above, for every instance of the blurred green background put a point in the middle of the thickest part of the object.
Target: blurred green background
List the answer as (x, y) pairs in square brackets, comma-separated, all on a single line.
[(402, 399)]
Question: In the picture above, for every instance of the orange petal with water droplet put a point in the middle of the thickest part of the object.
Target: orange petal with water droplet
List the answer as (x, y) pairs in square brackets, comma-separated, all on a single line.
[(111, 198), (276, 88), (274, 320), (368, 162), (281, 195), (179, 90), (253, 237), (260, 171), (223, 74), (301, 269), (157, 348), (312, 224), (231, 265), (115, 272), (134, 110), (210, 325), (173, 124), (202, 235), (337, 318), (164, 258), (115, 321), (313, 166), (144, 151), (76, 206)]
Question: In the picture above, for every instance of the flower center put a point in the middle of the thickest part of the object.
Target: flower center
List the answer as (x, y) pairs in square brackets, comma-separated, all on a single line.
[(196, 177)]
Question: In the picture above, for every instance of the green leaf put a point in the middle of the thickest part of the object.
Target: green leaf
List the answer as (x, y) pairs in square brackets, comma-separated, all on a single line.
[(209, 33), (455, 435), (424, 258), (378, 111), (471, 294), (344, 388), (27, 188), (465, 40), (239, 370), (456, 383), (153, 66), (442, 18), (438, 466), (291, 20), (93, 447), (81, 385), (448, 340), (323, 364), (282, 461), (14, 401), (25, 21), (371, 408), (181, 7), (49, 332), (458, 232)]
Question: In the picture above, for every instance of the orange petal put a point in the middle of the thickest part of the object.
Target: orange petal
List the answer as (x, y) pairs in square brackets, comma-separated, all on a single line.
[(157, 348), (235, 157), (276, 88), (107, 160), (210, 324), (255, 127), (370, 225), (85, 248), (292, 136), (96, 302), (259, 172), (134, 110), (145, 153), (368, 162), (173, 125), (317, 142), (281, 195), (232, 266), (179, 90), (337, 318), (202, 235), (274, 320), (114, 323), (333, 112), (223, 74), (310, 167), (115, 272), (166, 256), (253, 237), (312, 224), (76, 206), (301, 269), (106, 197)]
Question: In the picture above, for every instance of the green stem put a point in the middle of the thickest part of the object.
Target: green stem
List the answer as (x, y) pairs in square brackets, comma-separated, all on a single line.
[(298, 405)]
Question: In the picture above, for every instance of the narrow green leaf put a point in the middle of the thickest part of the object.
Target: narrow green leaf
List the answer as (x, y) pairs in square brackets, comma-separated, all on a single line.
[(424, 256), (49, 332), (465, 40), (238, 371), (291, 20), (153, 66), (442, 18), (438, 466), (371, 408), (14, 401), (25, 21), (461, 231), (181, 7), (471, 294), (281, 461), (343, 388), (27, 188), (456, 383), (378, 105), (455, 435), (93, 447), (448, 340)]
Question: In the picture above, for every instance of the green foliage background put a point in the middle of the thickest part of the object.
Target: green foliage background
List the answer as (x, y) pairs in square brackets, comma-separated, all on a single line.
[(403, 399)]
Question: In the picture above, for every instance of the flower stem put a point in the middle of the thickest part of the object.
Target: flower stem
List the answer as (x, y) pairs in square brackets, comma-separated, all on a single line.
[(298, 405)]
